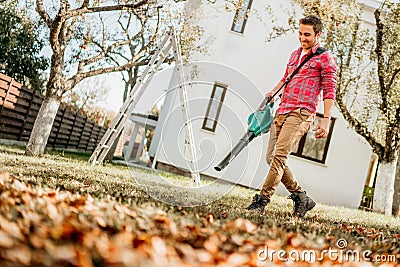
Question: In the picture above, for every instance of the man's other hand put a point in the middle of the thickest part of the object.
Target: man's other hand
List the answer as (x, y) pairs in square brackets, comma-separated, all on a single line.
[(322, 129)]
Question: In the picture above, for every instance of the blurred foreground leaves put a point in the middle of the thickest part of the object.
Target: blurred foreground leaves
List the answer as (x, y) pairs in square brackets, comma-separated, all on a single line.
[(44, 227)]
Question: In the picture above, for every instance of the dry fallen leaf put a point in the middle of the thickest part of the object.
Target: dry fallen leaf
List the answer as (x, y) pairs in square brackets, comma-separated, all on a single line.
[(101, 221), (240, 224), (123, 209), (238, 259), (158, 246), (212, 245), (5, 240), (19, 254), (203, 256), (4, 177), (185, 249), (20, 186), (66, 253), (11, 228), (84, 258), (52, 211), (293, 240), (36, 241), (210, 218)]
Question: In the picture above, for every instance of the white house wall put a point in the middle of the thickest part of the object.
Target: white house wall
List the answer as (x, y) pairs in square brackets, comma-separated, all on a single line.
[(251, 67), (242, 97)]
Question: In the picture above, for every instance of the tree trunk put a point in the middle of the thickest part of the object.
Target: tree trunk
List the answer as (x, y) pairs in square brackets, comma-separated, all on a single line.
[(384, 187), (42, 127), (396, 195)]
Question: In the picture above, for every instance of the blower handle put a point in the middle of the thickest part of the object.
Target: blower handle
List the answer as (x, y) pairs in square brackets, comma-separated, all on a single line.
[(263, 105)]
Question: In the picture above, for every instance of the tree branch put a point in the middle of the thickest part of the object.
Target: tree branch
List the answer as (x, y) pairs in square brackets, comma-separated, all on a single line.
[(380, 57), (69, 30), (154, 37), (116, 62), (85, 9), (103, 53), (42, 12), (343, 90), (398, 114), (126, 29), (393, 78), (85, 4), (82, 75), (64, 6), (120, 54), (353, 43), (339, 89)]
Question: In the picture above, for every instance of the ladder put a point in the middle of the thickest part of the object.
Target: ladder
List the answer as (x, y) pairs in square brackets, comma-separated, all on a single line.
[(169, 42)]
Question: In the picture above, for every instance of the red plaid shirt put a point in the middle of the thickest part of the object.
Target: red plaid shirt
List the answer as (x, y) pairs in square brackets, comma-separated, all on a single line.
[(304, 89)]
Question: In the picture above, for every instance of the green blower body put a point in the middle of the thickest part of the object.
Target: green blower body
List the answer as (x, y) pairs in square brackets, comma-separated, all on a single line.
[(259, 122)]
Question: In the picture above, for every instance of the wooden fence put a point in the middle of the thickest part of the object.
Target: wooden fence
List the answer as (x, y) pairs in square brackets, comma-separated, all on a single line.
[(19, 107)]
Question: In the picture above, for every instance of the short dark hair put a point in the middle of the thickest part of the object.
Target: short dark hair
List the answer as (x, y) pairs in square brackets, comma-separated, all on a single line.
[(313, 21)]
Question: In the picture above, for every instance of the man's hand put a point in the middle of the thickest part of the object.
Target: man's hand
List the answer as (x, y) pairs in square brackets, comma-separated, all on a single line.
[(274, 90), (270, 94), (322, 129)]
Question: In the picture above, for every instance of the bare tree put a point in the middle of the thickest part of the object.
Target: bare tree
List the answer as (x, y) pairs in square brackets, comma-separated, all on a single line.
[(82, 47)]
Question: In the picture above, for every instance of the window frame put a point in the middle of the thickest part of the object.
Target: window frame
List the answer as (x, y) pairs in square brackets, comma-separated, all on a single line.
[(206, 118), (302, 142), (235, 18)]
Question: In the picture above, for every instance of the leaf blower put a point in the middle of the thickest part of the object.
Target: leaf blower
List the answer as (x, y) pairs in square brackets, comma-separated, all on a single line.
[(259, 122)]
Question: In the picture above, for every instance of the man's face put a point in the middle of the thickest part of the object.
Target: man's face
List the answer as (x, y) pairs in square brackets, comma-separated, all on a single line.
[(307, 36)]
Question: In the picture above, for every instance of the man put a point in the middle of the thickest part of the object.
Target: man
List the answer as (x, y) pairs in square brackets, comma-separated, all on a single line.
[(296, 114)]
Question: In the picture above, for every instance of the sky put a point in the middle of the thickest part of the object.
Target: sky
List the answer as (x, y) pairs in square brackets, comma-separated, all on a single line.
[(153, 95), (115, 93)]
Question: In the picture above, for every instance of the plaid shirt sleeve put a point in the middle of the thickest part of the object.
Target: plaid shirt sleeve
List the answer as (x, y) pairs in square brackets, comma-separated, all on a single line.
[(328, 76)]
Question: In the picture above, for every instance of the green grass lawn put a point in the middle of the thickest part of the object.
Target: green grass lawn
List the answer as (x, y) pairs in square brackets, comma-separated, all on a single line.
[(322, 227)]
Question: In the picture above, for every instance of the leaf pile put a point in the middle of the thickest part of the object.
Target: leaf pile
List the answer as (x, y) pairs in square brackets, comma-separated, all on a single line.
[(43, 227)]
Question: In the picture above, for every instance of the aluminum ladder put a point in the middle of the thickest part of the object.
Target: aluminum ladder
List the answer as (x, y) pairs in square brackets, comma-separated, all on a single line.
[(169, 42)]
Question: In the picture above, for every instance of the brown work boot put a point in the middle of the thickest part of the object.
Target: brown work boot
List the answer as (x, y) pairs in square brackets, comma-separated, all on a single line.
[(302, 204), (258, 204)]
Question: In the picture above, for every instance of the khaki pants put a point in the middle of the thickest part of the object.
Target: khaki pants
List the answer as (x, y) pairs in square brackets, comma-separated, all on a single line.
[(285, 133)]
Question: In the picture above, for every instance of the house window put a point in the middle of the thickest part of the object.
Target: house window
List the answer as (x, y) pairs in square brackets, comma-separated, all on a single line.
[(240, 19), (214, 107), (312, 148)]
